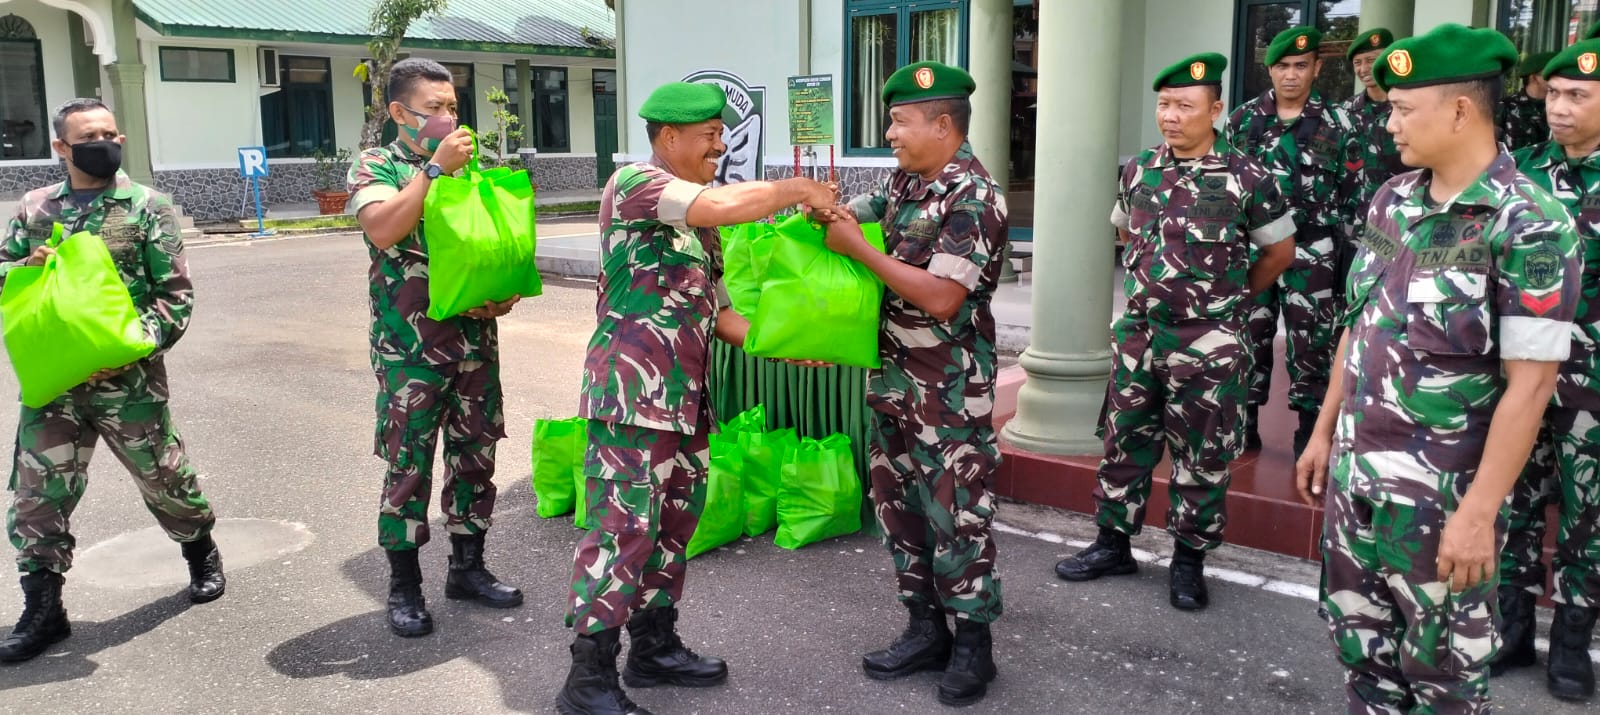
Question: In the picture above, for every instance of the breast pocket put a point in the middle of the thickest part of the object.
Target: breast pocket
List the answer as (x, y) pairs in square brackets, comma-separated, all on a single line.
[(1212, 247), (1447, 312)]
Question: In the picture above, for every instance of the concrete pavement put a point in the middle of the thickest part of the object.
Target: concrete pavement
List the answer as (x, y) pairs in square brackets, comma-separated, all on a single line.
[(274, 394)]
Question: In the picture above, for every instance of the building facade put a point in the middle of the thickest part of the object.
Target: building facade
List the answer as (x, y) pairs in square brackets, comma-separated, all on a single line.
[(192, 82)]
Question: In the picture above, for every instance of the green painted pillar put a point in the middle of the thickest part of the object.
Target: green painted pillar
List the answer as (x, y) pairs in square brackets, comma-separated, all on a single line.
[(128, 95), (1069, 357), (1396, 15), (989, 50), (525, 102)]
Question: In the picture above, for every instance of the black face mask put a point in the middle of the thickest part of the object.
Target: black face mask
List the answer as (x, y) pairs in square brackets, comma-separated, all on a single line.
[(99, 159)]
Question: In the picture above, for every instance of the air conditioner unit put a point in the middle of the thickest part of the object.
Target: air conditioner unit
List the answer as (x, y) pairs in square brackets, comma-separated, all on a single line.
[(267, 62)]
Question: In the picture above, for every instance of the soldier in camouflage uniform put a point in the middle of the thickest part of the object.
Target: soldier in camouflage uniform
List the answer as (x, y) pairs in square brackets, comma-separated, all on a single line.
[(934, 451), (660, 300), (1566, 463), (1311, 147), (431, 374), (126, 406), (1461, 310), (1377, 155), (1521, 115), (1189, 211)]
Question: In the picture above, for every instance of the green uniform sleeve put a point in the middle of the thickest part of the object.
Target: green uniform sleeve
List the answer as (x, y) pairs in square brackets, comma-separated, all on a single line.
[(171, 294), (869, 207), (14, 245)]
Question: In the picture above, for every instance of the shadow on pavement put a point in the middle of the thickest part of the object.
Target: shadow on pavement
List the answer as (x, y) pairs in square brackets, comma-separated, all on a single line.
[(70, 659)]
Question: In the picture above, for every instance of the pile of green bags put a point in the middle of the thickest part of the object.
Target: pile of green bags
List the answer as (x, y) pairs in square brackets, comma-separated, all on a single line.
[(480, 236), (757, 479), (786, 281), (69, 318)]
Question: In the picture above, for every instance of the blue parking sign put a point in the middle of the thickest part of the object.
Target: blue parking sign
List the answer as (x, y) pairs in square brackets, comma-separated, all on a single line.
[(252, 161)]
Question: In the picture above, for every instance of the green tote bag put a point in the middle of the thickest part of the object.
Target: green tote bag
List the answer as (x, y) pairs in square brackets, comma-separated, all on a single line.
[(480, 236)]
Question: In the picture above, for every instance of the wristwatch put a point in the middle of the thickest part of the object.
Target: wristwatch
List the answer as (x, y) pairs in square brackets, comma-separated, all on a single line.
[(432, 171)]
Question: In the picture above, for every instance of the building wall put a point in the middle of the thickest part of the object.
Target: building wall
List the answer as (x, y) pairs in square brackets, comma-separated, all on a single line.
[(1431, 13), (201, 125)]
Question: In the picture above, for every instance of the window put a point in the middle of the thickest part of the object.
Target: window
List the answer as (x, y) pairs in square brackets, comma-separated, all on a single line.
[(186, 64), (297, 120), (549, 132), (466, 94), (24, 132), (1544, 25), (882, 36), (1258, 21)]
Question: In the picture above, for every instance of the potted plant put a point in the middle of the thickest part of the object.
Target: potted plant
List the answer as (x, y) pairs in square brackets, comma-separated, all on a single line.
[(329, 175)]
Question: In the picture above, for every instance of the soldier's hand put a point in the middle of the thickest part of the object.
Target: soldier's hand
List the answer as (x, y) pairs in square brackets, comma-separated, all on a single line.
[(492, 310), (828, 214), (1467, 555), (1311, 470), (844, 236), (109, 373), (808, 363), (454, 151), (37, 258), (818, 194)]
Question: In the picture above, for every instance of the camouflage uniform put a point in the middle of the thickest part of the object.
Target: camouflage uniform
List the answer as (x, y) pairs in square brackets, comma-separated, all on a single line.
[(1311, 157), (1522, 122), (55, 442), (1379, 160), (1181, 346), (1439, 297), (934, 451), (644, 395), (1566, 461), (431, 374)]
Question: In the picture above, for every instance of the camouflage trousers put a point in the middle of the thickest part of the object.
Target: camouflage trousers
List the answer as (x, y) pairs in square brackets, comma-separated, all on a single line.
[(414, 402), (54, 445), (1564, 468), (1407, 642), (932, 492), (1304, 295), (1178, 388), (646, 490)]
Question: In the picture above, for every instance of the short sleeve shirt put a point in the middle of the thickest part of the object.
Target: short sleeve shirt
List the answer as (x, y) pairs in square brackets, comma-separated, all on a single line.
[(1311, 156), (1575, 182)]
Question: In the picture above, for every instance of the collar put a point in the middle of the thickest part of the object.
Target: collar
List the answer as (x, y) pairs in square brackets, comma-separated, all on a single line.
[(1550, 155), (121, 188), (404, 153), (1211, 161), (1489, 190), (954, 171), (1267, 104)]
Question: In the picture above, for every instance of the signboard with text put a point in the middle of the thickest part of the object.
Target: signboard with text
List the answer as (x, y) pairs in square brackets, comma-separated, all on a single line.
[(811, 110)]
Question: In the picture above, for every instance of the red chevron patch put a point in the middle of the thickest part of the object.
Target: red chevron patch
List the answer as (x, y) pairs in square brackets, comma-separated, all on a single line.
[(1540, 306)]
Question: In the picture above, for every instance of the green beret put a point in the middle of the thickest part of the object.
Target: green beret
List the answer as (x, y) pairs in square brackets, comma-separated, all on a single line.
[(1580, 61), (1292, 42), (683, 103), (1448, 53), (1204, 68), (1534, 63), (1376, 38), (925, 82)]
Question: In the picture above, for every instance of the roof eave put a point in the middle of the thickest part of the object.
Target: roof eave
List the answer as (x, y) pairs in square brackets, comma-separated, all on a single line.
[(231, 33)]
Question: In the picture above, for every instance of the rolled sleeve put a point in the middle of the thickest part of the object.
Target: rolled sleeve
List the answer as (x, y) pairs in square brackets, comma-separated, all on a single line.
[(1273, 233), (969, 238), (373, 194), (1536, 339), (1119, 217), (677, 195)]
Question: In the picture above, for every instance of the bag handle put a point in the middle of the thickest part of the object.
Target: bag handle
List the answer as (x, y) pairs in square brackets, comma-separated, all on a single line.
[(474, 165), (57, 235)]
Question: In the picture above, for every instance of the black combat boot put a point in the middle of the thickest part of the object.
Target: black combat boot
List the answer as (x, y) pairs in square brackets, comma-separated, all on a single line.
[(592, 687), (1516, 630), (1110, 555), (1571, 673), (1187, 576), (925, 645), (468, 579), (1252, 436), (408, 611), (43, 621), (657, 656), (206, 582), (966, 679), (1302, 434)]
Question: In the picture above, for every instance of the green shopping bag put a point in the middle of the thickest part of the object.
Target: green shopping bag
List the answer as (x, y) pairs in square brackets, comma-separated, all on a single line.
[(480, 237), (558, 453), (746, 251), (763, 454), (69, 318), (580, 501), (805, 285), (722, 519), (821, 493)]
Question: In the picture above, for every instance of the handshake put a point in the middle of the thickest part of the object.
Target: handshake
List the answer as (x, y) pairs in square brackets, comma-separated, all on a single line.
[(844, 235)]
